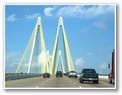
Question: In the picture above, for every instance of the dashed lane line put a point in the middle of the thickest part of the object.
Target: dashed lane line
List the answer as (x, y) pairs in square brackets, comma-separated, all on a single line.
[(80, 86)]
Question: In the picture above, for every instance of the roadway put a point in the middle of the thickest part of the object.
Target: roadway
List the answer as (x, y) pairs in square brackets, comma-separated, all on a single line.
[(54, 83)]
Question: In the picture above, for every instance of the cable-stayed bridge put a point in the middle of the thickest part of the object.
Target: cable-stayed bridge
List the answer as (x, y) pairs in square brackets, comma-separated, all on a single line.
[(36, 59)]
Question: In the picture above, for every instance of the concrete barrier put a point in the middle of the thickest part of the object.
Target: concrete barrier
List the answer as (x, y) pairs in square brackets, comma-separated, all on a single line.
[(104, 77), (9, 77)]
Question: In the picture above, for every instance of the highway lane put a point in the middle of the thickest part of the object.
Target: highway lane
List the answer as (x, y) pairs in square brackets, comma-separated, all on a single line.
[(103, 83), (53, 82)]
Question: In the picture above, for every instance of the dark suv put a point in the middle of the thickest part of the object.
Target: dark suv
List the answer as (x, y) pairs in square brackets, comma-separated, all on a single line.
[(58, 74), (89, 75)]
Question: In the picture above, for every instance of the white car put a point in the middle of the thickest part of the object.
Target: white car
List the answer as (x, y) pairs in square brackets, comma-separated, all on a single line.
[(72, 74)]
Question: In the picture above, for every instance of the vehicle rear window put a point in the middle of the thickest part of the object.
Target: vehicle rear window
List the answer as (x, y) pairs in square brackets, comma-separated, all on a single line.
[(88, 71), (59, 72)]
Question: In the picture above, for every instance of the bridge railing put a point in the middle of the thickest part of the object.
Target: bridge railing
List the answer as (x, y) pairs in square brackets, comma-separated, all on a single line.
[(13, 76)]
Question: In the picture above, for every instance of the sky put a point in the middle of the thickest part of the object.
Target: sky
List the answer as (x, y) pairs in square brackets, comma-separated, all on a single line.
[(90, 31)]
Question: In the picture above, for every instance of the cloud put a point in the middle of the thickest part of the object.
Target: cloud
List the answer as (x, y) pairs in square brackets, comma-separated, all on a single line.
[(100, 25), (48, 11), (12, 59), (11, 18), (32, 16), (14, 64), (12, 56), (79, 10), (104, 65), (98, 10), (79, 62), (70, 11), (90, 54)]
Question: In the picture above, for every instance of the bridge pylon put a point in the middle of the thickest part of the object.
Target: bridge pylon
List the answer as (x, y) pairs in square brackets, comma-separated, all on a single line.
[(30, 57), (68, 58)]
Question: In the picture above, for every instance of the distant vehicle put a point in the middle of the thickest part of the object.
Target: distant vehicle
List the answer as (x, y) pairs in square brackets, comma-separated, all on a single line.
[(112, 73), (72, 74), (67, 73), (45, 75), (89, 75), (64, 74), (59, 74)]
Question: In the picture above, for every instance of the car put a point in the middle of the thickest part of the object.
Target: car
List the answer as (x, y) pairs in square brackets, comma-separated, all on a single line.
[(72, 74), (59, 74), (89, 74), (45, 75)]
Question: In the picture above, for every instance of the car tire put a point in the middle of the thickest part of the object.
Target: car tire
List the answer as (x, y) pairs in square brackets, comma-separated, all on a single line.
[(110, 81), (96, 82), (81, 81)]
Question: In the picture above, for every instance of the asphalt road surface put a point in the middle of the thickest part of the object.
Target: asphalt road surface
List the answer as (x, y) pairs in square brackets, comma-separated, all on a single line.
[(54, 83)]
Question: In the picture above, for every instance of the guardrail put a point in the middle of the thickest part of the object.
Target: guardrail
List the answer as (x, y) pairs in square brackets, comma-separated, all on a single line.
[(20, 76), (104, 76)]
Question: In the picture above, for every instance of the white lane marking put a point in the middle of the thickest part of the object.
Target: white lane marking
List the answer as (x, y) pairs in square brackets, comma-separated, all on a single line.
[(80, 86), (43, 83)]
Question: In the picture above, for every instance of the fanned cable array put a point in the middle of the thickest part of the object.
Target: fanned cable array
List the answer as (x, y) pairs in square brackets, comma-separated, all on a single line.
[(35, 58)]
